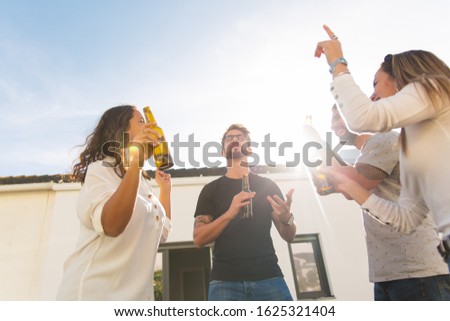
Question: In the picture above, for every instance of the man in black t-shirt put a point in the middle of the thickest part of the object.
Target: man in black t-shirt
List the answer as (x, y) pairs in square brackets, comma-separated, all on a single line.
[(244, 261)]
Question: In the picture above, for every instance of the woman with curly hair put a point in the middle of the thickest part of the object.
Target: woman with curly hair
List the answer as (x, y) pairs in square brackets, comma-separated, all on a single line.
[(122, 222)]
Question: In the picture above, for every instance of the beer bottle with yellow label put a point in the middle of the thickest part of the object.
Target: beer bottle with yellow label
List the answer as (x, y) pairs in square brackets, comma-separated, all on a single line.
[(161, 153)]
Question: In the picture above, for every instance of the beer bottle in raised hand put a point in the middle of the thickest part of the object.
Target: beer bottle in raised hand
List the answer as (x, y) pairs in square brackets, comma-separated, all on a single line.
[(161, 153)]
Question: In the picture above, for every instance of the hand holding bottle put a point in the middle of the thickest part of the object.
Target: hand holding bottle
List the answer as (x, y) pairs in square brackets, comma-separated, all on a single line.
[(161, 154), (247, 210), (240, 200), (316, 157), (321, 182), (140, 147), (149, 135), (345, 185)]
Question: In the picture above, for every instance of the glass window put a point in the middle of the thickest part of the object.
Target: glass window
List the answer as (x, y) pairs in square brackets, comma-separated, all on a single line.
[(311, 281)]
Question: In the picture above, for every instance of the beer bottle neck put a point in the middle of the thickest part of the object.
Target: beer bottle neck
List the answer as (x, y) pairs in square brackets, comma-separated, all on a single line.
[(149, 115), (245, 183)]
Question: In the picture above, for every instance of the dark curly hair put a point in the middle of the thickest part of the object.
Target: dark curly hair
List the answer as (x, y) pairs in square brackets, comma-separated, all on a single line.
[(111, 128)]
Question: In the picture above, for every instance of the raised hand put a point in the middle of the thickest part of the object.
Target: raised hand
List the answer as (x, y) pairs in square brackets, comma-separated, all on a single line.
[(330, 48), (163, 180), (281, 209)]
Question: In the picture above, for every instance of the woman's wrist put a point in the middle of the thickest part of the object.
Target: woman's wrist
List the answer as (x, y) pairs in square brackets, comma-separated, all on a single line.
[(165, 190), (341, 73), (339, 70), (341, 61)]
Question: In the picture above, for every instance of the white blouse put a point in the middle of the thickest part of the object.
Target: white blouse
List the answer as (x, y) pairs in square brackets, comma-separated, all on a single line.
[(424, 169), (114, 268)]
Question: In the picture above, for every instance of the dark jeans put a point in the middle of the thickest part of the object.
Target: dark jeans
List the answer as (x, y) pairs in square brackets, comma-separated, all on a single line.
[(432, 288), (273, 289)]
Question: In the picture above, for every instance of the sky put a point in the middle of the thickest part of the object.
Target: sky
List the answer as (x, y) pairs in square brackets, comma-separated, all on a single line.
[(200, 64)]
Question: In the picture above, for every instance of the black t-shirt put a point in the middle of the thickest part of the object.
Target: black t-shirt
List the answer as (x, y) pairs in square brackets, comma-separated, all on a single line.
[(244, 251)]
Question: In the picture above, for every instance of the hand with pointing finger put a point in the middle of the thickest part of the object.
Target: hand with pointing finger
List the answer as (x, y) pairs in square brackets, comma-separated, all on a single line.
[(331, 49)]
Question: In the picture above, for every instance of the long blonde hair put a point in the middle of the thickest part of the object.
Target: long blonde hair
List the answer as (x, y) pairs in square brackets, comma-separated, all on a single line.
[(425, 68)]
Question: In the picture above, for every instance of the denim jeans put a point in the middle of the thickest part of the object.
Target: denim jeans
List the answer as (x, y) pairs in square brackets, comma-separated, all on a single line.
[(273, 289), (432, 288)]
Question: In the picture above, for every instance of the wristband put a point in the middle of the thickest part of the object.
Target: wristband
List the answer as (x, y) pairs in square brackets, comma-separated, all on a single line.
[(333, 65)]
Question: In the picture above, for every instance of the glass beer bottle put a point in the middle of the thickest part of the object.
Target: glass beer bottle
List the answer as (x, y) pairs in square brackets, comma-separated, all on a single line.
[(319, 179), (321, 182), (161, 153), (247, 210)]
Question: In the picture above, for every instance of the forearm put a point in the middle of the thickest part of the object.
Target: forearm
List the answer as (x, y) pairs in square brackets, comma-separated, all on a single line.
[(287, 232), (355, 191), (404, 216), (208, 233), (356, 106), (164, 198), (352, 173), (409, 106), (118, 210)]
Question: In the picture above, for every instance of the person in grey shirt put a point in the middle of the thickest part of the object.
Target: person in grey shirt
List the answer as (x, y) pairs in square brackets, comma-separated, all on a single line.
[(402, 267)]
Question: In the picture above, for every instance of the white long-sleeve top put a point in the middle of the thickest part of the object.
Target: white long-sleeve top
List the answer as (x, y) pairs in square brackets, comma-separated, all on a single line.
[(114, 268), (424, 168)]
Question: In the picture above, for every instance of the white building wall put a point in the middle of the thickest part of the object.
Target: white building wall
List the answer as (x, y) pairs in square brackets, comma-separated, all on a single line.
[(39, 228)]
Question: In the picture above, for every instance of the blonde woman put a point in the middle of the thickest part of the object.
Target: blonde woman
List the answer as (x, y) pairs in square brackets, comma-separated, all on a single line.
[(421, 108)]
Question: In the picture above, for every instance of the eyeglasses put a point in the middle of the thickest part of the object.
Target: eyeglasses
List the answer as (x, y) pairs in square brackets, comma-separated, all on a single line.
[(240, 137)]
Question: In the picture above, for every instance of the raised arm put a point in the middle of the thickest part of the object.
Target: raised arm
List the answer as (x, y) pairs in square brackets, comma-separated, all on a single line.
[(118, 210), (282, 216), (164, 182)]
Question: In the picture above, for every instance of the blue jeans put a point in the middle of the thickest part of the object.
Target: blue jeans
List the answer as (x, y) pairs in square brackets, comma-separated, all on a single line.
[(273, 289), (432, 288)]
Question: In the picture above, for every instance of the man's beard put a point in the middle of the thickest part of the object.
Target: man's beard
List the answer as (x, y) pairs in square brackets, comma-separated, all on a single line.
[(348, 139), (236, 153)]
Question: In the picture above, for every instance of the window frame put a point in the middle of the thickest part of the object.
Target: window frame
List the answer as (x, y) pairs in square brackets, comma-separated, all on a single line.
[(325, 291)]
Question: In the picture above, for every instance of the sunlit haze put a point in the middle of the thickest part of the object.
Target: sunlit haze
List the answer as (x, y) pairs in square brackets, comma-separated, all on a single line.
[(201, 65)]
